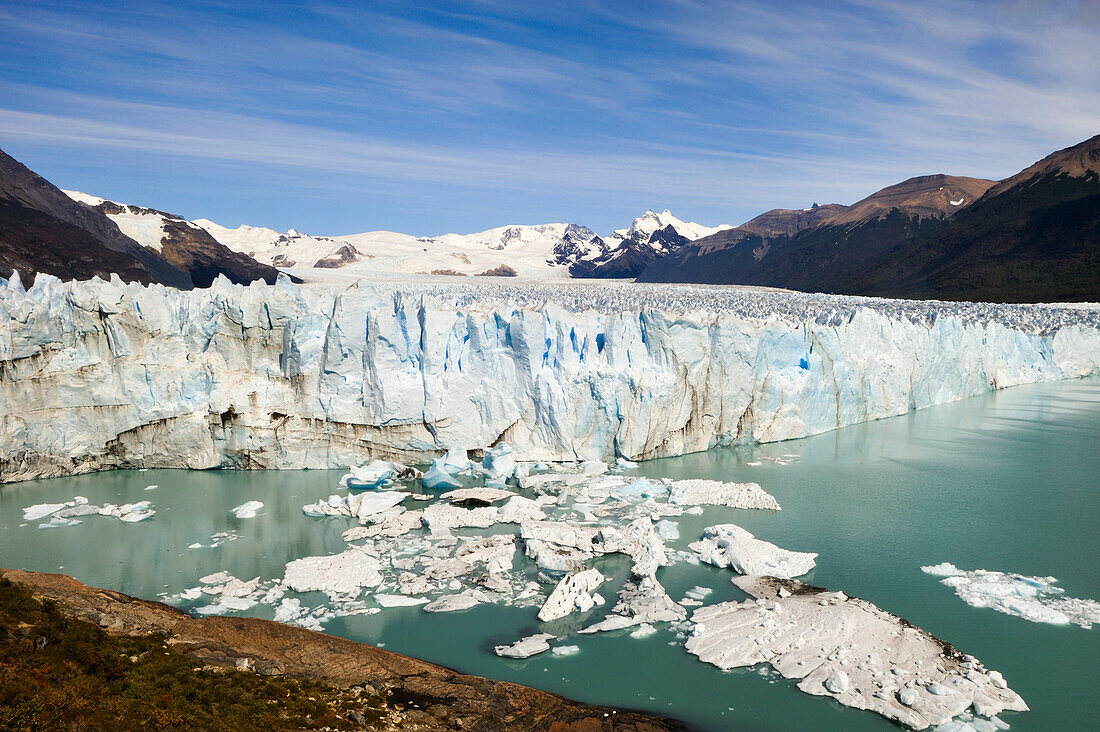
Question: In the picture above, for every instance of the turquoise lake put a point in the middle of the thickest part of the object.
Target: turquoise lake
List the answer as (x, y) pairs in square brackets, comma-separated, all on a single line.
[(1006, 481)]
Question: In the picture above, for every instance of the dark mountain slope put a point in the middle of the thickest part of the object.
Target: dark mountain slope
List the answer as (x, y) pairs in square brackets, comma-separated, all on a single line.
[(822, 248), (26, 189), (32, 242), (1032, 237), (193, 250)]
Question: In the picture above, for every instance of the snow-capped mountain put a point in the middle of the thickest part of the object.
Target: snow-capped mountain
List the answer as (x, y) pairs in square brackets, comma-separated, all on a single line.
[(540, 251), (651, 236), (181, 243), (291, 249), (649, 223)]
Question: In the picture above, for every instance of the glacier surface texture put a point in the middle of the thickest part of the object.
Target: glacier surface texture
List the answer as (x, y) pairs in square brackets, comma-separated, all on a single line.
[(97, 375)]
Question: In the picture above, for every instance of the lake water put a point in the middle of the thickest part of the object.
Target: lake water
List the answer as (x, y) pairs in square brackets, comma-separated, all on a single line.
[(1007, 481)]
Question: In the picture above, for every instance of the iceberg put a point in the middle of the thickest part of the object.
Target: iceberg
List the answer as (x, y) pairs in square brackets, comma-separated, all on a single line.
[(1037, 599), (573, 593), (848, 649), (532, 645), (339, 575), (439, 477), (327, 375), (728, 545), (247, 510)]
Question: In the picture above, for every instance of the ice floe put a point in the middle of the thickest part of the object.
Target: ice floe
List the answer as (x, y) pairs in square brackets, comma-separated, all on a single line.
[(247, 510), (69, 513), (1032, 598), (338, 575), (850, 650), (574, 593), (728, 545), (532, 645), (715, 493)]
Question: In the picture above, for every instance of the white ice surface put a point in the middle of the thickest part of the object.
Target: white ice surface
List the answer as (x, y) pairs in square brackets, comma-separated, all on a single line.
[(1037, 599), (578, 370)]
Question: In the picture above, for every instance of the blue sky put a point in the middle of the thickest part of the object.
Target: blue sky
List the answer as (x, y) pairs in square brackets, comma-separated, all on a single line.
[(433, 117)]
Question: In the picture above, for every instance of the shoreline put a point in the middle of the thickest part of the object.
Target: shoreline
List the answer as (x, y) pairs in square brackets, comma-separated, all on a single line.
[(269, 648)]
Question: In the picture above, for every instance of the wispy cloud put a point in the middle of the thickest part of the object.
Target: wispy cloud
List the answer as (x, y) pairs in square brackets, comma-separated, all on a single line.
[(719, 109)]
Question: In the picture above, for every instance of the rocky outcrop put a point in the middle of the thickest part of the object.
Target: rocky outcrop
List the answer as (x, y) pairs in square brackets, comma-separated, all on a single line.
[(23, 188), (267, 647)]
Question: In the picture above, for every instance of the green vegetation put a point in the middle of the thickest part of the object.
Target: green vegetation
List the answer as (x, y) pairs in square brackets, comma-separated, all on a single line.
[(58, 673)]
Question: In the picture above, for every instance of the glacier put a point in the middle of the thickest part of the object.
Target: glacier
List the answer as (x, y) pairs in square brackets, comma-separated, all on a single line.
[(97, 375)]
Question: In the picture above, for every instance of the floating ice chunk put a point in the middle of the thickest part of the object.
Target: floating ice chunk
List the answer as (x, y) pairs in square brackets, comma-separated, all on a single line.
[(532, 645), (728, 545), (365, 505), (848, 649), (573, 593), (196, 545), (624, 464), (441, 517), (1037, 599), (640, 489), (519, 509), (715, 493), (42, 510), (225, 605), (456, 460), (667, 530), (376, 474), (247, 510), (438, 477), (641, 600), (477, 496), (133, 512), (151, 487), (451, 603), (643, 631), (57, 522), (566, 650), (337, 575), (499, 462), (399, 600)]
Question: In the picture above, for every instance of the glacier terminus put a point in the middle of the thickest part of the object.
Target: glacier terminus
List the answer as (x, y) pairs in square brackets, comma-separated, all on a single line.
[(101, 374)]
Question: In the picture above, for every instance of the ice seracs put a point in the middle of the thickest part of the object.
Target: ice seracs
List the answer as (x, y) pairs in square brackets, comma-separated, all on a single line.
[(330, 376), (728, 545), (848, 649), (1037, 599)]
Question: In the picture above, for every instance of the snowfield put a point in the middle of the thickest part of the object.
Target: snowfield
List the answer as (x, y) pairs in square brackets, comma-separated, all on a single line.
[(97, 375)]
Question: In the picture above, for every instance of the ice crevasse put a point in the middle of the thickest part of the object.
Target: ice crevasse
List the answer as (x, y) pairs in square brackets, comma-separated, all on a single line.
[(97, 375)]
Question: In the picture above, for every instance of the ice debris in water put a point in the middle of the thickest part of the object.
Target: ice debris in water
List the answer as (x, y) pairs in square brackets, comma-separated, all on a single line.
[(247, 510), (1033, 598), (848, 649), (728, 545), (439, 477), (377, 474), (532, 645), (716, 493), (576, 592), (69, 513)]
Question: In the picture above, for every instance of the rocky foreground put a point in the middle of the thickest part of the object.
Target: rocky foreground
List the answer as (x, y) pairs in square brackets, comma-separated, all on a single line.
[(407, 693)]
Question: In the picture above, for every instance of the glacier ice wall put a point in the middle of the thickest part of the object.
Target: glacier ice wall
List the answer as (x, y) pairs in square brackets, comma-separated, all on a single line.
[(96, 375)]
